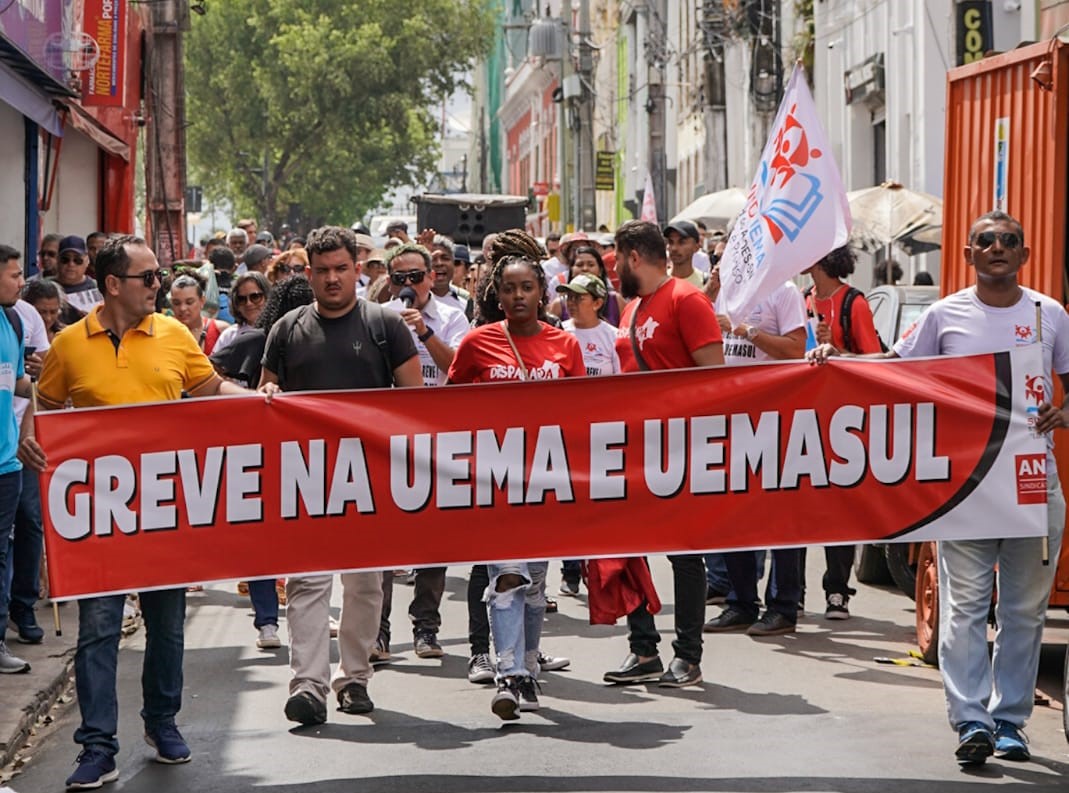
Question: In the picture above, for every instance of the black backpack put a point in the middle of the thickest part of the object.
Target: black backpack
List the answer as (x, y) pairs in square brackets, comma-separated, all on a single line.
[(851, 295)]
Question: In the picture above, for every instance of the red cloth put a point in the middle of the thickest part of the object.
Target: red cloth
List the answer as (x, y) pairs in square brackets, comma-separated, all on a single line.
[(865, 338), (616, 587), (484, 355), (672, 323)]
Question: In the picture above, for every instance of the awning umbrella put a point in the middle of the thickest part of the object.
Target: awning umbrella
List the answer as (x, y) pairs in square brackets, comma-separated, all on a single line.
[(891, 213), (715, 210)]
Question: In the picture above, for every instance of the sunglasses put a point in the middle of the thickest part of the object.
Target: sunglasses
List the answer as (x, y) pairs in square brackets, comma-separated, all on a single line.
[(48, 254), (412, 276), (253, 297), (286, 269), (149, 277), (1009, 239), (76, 259)]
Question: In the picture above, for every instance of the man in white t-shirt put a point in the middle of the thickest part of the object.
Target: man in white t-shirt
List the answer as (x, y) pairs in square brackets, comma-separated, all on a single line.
[(989, 699)]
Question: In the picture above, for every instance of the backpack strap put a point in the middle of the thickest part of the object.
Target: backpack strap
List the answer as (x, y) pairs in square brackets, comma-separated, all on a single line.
[(16, 325), (376, 325), (851, 295)]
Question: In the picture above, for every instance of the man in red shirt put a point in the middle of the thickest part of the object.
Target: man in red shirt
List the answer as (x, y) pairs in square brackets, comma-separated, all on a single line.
[(671, 325)]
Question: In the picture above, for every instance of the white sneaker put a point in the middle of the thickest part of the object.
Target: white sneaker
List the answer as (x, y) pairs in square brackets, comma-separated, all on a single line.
[(10, 664), (268, 639), (550, 663)]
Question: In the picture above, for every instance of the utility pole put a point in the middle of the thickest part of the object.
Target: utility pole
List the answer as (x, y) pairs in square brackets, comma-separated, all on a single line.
[(715, 167), (655, 58), (165, 145), (587, 204)]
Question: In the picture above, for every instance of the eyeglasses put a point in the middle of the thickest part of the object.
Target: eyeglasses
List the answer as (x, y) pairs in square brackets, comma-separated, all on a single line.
[(1009, 239), (76, 259), (412, 276), (255, 298), (286, 269), (148, 277)]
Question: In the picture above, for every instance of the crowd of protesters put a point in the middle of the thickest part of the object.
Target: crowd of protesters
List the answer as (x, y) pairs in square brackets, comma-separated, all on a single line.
[(335, 311)]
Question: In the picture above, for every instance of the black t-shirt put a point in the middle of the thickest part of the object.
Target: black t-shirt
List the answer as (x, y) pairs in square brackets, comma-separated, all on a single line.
[(240, 360), (309, 352)]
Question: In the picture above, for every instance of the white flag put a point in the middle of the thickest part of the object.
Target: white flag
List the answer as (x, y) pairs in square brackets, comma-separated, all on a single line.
[(649, 203), (796, 208)]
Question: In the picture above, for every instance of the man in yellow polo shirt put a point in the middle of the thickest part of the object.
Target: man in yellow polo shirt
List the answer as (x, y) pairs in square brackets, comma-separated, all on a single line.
[(122, 353)]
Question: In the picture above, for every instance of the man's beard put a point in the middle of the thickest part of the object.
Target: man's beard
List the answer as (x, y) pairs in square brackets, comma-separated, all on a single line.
[(628, 283)]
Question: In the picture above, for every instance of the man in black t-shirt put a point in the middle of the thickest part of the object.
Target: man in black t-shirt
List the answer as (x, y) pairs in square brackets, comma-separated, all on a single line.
[(337, 342)]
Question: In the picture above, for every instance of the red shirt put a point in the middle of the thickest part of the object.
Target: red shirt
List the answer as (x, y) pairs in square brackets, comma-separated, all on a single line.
[(864, 337), (484, 356), (672, 323)]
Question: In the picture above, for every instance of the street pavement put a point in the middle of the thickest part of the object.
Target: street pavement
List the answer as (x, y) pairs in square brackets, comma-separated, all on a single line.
[(805, 712)]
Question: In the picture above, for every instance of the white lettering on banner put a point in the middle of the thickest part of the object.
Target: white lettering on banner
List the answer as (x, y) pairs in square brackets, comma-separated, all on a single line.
[(157, 494), (350, 481), (607, 440), (304, 478)]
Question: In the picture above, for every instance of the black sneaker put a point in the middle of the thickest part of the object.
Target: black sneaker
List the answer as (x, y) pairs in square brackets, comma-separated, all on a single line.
[(772, 623), (95, 768), (506, 702), (730, 619), (528, 688), (680, 673), (353, 699), (837, 609), (305, 709), (426, 644), (632, 670)]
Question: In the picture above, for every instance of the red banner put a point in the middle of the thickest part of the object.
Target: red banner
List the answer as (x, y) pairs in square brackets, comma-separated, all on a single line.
[(105, 22), (778, 454)]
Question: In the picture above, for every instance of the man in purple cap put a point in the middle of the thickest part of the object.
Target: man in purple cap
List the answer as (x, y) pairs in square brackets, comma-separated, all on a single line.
[(81, 290)]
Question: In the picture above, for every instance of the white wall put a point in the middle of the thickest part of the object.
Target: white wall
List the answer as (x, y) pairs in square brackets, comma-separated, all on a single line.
[(76, 200), (12, 179)]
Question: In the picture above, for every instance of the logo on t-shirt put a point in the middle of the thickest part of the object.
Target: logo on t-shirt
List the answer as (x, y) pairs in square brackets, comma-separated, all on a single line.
[(1023, 333), (645, 331), (549, 370)]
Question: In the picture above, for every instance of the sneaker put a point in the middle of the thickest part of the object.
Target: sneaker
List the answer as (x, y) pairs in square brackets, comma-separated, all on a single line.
[(11, 664), (1010, 742), (975, 743), (569, 588), (837, 609), (633, 670), (426, 644), (305, 709), (268, 639), (95, 768), (714, 597), (506, 701), (480, 668), (381, 652), (549, 663), (680, 673), (730, 619), (551, 606), (332, 625), (772, 623), (354, 699), (169, 744), (528, 689), (26, 627)]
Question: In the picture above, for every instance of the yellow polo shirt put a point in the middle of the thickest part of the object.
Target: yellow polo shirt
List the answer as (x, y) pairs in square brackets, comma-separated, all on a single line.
[(154, 362)]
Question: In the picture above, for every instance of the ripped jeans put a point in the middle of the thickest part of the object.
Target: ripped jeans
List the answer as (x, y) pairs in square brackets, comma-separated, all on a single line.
[(516, 617)]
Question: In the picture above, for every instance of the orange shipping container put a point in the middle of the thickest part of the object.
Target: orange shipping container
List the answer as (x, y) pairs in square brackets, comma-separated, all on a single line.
[(1007, 147)]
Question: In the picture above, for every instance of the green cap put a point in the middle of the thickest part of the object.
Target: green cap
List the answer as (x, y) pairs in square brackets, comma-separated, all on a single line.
[(585, 284)]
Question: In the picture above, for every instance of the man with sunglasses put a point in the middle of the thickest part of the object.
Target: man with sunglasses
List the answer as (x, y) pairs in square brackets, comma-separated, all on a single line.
[(48, 256), (989, 699), (81, 290), (122, 353)]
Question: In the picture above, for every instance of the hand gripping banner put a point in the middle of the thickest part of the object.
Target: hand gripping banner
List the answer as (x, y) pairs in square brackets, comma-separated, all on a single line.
[(782, 454)]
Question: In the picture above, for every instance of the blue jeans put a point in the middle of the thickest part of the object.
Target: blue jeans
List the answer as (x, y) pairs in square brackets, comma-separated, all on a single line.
[(10, 485), (96, 660), (29, 545), (516, 617), (1002, 687), (716, 571), (264, 599)]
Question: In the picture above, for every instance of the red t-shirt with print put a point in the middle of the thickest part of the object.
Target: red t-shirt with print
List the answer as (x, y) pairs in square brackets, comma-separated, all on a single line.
[(484, 356), (672, 323), (865, 339)]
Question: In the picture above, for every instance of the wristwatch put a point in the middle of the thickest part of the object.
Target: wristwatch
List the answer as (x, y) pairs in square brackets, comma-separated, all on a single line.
[(426, 335), (751, 332)]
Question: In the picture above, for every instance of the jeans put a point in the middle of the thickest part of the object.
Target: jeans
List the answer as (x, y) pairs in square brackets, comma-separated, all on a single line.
[(978, 688), (688, 577), (424, 611), (28, 548), (96, 661), (516, 617), (716, 571), (839, 560), (478, 619), (10, 485), (783, 591), (264, 599)]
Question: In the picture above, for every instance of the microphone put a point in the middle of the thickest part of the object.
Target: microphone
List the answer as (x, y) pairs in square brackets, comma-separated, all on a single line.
[(408, 296)]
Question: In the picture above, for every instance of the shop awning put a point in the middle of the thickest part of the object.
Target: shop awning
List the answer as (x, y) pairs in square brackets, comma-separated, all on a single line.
[(96, 132), (33, 103)]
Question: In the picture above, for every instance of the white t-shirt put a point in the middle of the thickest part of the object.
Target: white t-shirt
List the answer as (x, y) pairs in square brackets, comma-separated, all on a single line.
[(778, 314), (34, 334), (449, 325), (554, 267), (598, 345)]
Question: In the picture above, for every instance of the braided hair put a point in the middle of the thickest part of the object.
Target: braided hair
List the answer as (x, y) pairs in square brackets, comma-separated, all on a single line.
[(286, 296), (514, 246)]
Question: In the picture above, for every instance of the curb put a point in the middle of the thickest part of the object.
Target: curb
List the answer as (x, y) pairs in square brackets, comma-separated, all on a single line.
[(40, 703)]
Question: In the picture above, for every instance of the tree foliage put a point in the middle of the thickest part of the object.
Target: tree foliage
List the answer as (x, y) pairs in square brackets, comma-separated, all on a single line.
[(339, 94)]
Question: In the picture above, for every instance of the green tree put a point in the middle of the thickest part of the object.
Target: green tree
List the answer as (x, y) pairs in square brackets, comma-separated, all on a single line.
[(334, 97)]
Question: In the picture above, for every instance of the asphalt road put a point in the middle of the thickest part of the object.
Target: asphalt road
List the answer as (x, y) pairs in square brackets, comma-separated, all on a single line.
[(805, 712)]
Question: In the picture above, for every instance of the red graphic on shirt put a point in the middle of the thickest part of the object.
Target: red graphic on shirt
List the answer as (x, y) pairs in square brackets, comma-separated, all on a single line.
[(1024, 332), (591, 347), (1033, 389)]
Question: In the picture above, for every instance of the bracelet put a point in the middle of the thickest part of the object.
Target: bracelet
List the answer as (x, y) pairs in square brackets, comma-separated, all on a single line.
[(427, 335)]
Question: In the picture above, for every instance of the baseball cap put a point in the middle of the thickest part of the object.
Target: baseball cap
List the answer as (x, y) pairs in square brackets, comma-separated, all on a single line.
[(365, 241), (573, 236), (585, 284), (72, 243), (256, 254), (461, 253), (684, 228)]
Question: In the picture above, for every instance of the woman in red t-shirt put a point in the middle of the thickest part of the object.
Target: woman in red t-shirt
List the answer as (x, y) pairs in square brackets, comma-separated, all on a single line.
[(518, 347)]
